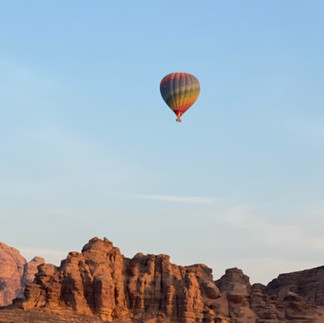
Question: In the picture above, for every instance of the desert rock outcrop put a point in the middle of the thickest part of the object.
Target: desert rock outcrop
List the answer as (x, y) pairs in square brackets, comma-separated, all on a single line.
[(101, 283), (15, 272)]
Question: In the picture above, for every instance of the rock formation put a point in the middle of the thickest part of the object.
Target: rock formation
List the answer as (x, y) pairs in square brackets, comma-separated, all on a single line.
[(15, 272), (101, 283), (276, 303)]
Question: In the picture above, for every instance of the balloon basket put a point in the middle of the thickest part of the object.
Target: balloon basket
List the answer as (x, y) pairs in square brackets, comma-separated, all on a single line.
[(178, 120)]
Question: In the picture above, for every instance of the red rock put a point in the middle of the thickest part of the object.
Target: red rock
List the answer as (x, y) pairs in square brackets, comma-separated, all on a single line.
[(15, 272), (100, 282)]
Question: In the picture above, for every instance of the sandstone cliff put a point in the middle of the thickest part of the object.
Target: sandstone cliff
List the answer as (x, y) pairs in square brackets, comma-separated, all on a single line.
[(15, 272), (99, 284), (278, 302), (100, 281)]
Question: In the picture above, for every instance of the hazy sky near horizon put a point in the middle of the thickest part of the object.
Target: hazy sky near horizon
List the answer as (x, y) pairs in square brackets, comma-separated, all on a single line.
[(89, 148)]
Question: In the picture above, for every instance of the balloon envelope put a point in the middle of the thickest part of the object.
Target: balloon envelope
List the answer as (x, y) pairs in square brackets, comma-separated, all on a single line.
[(179, 91)]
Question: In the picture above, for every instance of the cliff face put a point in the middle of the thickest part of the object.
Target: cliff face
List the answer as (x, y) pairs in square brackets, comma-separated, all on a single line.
[(15, 272), (100, 281), (275, 303), (101, 285)]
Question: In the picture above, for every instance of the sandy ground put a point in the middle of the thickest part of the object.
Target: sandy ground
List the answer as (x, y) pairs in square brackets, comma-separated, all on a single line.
[(20, 316)]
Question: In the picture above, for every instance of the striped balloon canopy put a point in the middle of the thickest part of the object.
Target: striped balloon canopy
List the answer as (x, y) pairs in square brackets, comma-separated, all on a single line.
[(179, 91)]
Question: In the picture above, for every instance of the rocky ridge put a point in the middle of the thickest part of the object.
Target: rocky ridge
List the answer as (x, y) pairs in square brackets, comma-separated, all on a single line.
[(15, 272), (101, 283)]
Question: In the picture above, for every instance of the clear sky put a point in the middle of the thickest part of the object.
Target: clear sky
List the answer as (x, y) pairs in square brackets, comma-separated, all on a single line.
[(88, 147)]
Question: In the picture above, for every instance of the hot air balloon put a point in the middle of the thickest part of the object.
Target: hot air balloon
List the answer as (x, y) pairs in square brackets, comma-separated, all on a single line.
[(179, 91)]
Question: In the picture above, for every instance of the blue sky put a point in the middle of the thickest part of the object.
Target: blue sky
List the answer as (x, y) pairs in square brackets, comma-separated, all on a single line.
[(89, 148)]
